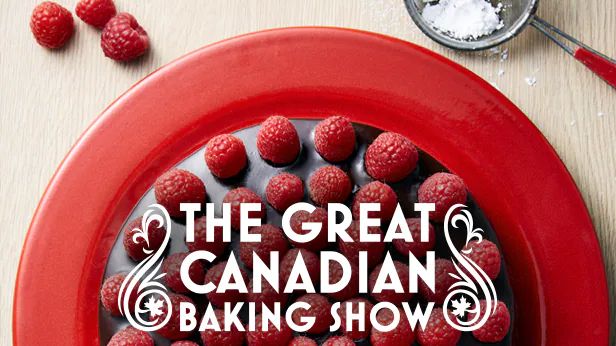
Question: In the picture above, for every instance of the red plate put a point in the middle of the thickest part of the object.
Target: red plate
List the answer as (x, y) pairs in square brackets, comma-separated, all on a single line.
[(552, 254)]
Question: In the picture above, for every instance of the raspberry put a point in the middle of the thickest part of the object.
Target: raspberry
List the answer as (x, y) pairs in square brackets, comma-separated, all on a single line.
[(95, 12), (267, 296), (272, 336), (131, 336), (376, 192), (277, 140), (135, 247), (242, 195), (438, 332), (354, 332), (284, 190), (388, 295), (319, 215), (184, 343), (442, 282), (123, 38), (416, 247), (311, 260), (110, 292), (216, 246), (51, 24), (400, 336), (229, 296), (486, 255), (335, 274), (339, 341), (171, 266), (272, 239), (334, 138), (319, 309), (178, 186), (171, 330), (351, 249), (225, 156), (302, 341), (329, 184), (496, 327), (233, 337), (444, 190), (390, 157)]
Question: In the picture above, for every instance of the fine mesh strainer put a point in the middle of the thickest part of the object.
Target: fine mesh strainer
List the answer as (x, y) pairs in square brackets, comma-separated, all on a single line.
[(517, 15)]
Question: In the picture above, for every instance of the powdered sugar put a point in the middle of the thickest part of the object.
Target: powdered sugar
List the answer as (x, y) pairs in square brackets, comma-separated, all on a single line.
[(464, 19), (530, 80)]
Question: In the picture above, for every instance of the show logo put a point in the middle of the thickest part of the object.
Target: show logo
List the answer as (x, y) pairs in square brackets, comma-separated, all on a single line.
[(145, 301)]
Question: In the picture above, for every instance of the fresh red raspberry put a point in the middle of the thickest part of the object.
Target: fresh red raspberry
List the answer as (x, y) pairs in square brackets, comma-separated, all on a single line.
[(391, 157), (390, 295), (178, 186), (311, 260), (110, 292), (496, 327), (416, 247), (272, 336), (171, 330), (135, 247), (402, 335), (349, 291), (438, 332), (334, 138), (184, 343), (442, 282), (233, 337), (51, 24), (486, 255), (353, 304), (329, 184), (272, 239), (302, 341), (123, 38), (277, 140), (319, 215), (339, 341), (351, 250), (216, 246), (284, 190), (267, 296), (225, 156), (242, 195), (376, 192), (131, 336), (171, 266), (319, 309), (214, 275), (95, 12), (444, 190)]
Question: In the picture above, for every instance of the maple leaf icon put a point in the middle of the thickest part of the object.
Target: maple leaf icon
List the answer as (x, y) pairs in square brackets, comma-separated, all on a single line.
[(460, 306), (154, 306)]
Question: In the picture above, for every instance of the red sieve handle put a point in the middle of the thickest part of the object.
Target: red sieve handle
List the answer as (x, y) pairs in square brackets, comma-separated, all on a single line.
[(603, 67)]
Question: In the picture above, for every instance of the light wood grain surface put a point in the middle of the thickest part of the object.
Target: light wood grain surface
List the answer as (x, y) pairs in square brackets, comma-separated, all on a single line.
[(48, 98)]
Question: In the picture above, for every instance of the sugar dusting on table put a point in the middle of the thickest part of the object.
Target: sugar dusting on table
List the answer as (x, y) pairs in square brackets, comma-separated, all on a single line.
[(530, 80), (464, 19)]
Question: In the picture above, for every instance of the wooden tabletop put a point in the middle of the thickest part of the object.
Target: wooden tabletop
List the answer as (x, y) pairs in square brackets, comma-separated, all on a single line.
[(47, 99)]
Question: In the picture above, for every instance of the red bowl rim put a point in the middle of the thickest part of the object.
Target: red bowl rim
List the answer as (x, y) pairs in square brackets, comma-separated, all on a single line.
[(544, 228)]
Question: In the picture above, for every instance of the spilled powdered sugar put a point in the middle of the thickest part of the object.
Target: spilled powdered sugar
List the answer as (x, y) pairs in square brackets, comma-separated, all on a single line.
[(530, 80), (464, 19)]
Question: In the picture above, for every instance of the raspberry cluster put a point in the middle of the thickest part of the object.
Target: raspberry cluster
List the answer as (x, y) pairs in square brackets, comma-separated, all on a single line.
[(122, 37), (390, 160)]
